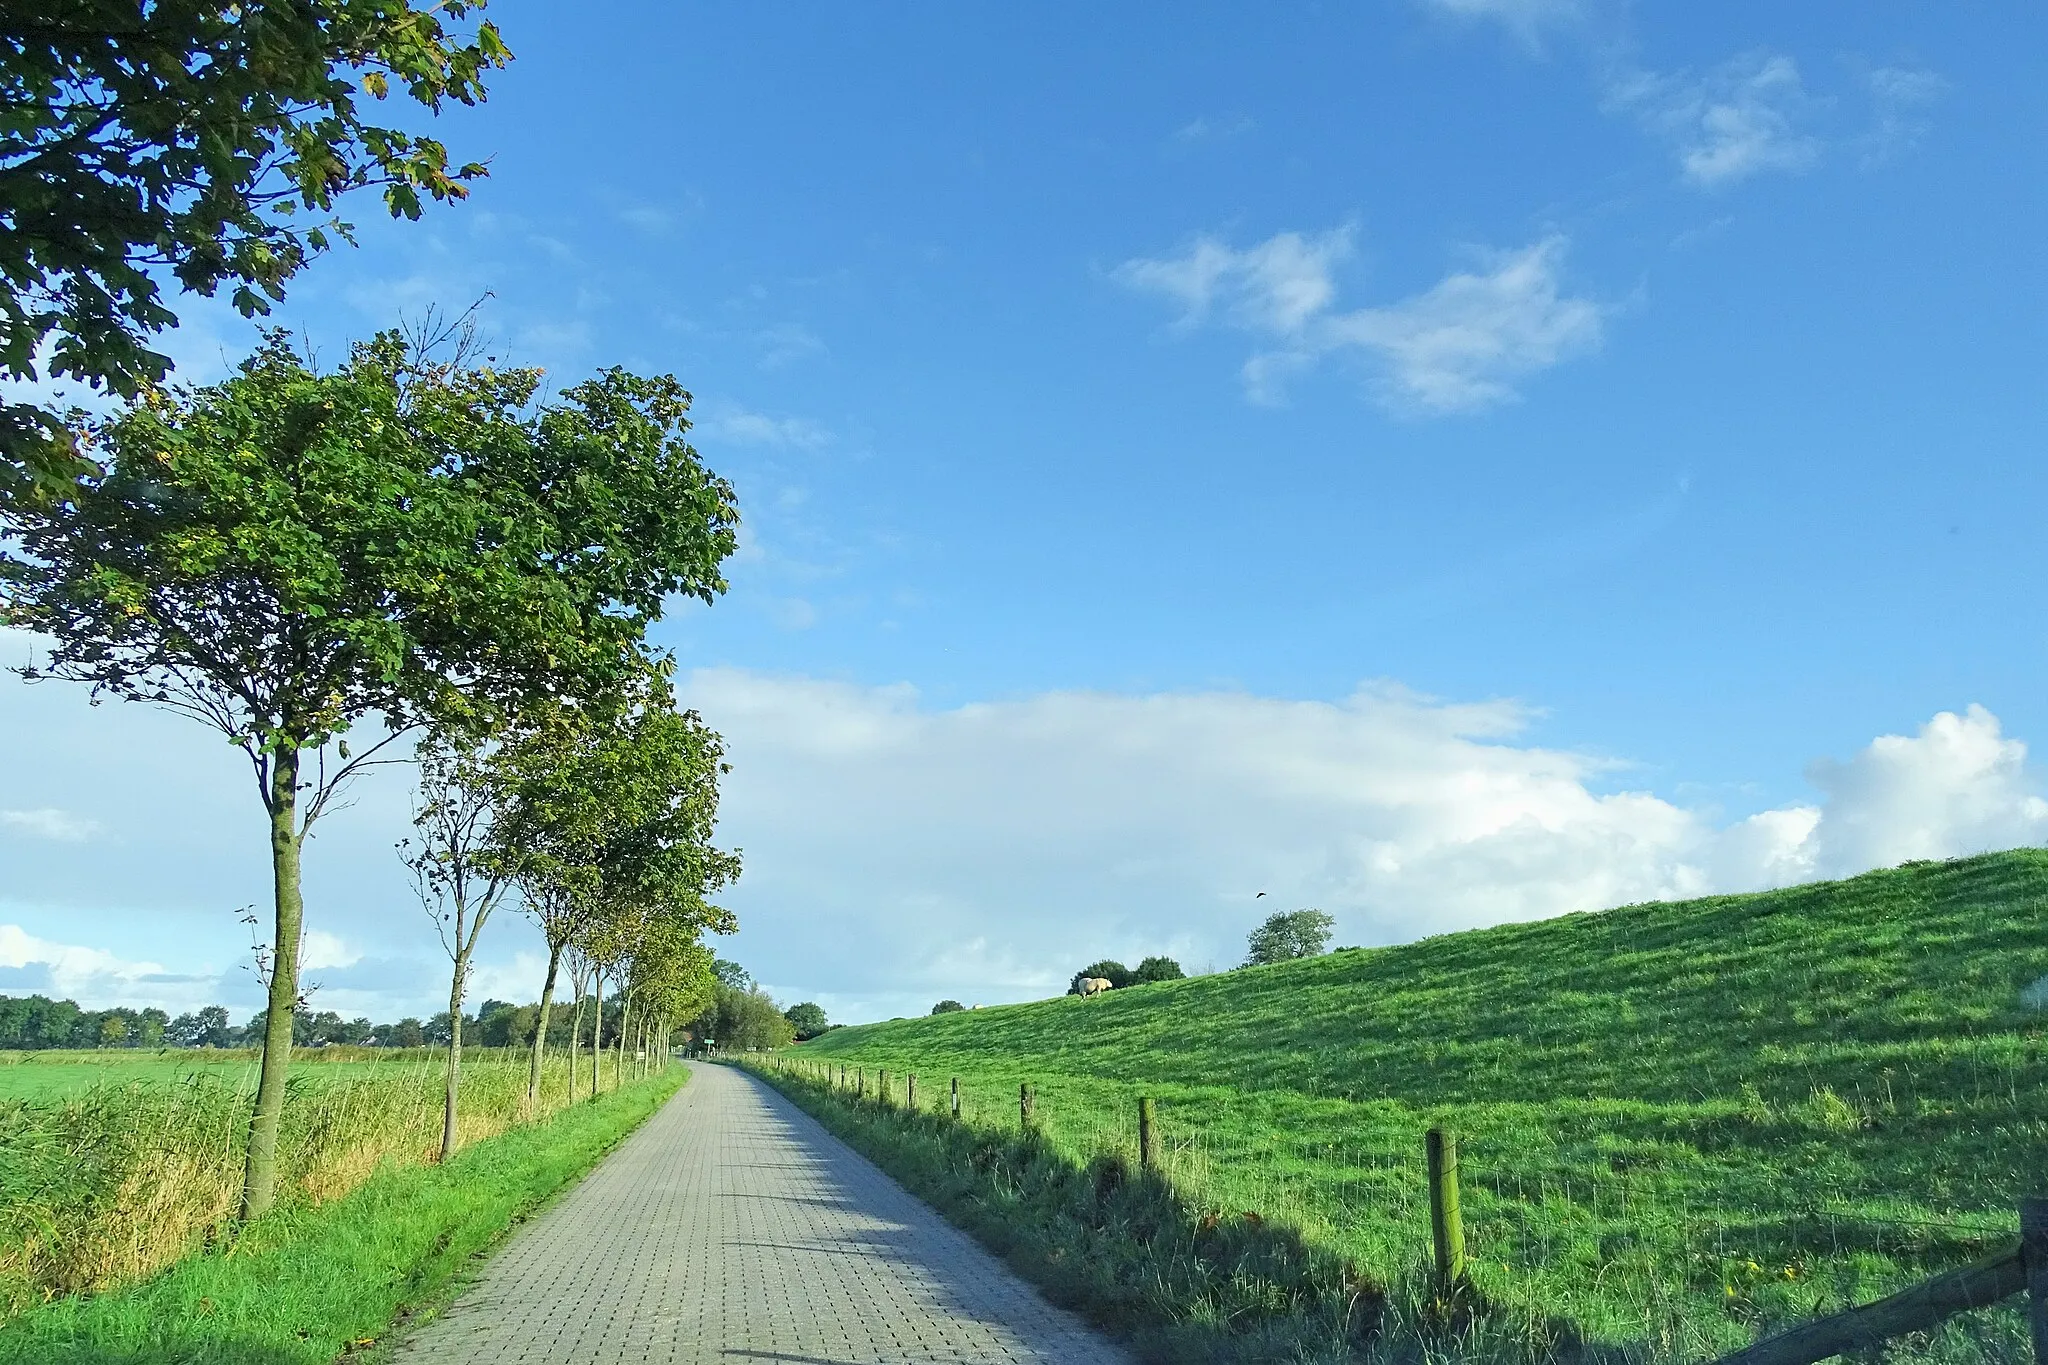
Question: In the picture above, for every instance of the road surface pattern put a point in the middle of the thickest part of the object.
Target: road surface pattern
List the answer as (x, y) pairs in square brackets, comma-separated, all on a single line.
[(731, 1228)]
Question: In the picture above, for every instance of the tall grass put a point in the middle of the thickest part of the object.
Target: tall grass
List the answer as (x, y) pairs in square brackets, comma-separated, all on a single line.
[(114, 1181), (309, 1285)]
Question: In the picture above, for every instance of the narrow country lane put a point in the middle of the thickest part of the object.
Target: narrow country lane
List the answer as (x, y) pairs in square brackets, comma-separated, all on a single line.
[(733, 1228)]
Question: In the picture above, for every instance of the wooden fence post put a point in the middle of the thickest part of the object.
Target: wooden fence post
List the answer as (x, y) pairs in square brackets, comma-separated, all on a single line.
[(956, 1097), (1024, 1105), (1146, 1156), (2034, 1253), (910, 1091), (860, 1082), (882, 1088), (1447, 1230)]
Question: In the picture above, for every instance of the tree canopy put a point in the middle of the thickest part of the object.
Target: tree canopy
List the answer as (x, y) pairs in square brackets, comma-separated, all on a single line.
[(289, 553), (1108, 969), (1287, 935), (1156, 969), (206, 140), (808, 1019), (948, 1007), (744, 1021)]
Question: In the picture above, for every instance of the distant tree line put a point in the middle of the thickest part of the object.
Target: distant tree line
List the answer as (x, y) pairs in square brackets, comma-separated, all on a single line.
[(32, 1023)]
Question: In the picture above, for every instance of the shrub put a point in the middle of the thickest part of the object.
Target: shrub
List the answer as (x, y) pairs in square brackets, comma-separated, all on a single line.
[(1110, 970)]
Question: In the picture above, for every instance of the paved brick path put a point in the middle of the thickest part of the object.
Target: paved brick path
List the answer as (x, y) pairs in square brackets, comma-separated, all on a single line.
[(732, 1227)]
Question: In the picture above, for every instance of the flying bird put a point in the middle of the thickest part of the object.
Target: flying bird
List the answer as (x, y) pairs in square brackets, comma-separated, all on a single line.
[(1260, 894)]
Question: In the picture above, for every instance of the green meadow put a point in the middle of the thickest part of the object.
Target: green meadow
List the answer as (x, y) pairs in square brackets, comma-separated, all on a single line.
[(1681, 1124), (115, 1165)]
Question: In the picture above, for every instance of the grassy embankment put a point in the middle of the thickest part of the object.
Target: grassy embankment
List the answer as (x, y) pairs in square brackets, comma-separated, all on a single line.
[(114, 1166), (307, 1284), (1681, 1123)]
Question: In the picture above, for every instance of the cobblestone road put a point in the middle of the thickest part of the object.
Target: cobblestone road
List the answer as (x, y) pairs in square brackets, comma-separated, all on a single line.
[(732, 1227)]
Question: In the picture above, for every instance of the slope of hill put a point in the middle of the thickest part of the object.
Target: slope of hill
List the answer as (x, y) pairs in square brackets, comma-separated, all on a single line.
[(1680, 1120), (1820, 985)]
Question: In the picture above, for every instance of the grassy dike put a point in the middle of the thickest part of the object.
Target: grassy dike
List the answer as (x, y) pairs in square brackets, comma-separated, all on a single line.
[(1178, 1284), (1682, 1126), (308, 1286)]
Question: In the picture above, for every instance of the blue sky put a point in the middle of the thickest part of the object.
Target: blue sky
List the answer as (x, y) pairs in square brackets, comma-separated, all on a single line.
[(1642, 405)]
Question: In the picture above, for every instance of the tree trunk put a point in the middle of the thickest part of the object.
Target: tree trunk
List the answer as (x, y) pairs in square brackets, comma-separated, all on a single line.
[(597, 1035), (575, 1040), (455, 993), (259, 1173), (540, 1030), (625, 1032)]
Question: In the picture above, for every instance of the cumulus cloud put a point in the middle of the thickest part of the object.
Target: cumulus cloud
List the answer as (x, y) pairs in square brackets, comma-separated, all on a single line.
[(95, 977), (1740, 119), (1959, 786), (898, 852), (47, 822), (1458, 346)]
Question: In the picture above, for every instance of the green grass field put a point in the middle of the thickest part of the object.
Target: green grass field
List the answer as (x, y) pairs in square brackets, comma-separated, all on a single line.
[(115, 1164), (60, 1071), (1681, 1123)]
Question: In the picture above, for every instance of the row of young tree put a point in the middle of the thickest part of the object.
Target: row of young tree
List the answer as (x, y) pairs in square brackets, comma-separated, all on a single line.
[(413, 548), (324, 565)]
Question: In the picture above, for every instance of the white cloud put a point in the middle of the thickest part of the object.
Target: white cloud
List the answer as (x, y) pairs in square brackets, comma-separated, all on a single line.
[(319, 949), (1458, 346), (898, 854), (743, 427), (1899, 97), (786, 342), (1206, 129), (792, 613), (1959, 786), (47, 822), (1738, 120), (1524, 18), (94, 977)]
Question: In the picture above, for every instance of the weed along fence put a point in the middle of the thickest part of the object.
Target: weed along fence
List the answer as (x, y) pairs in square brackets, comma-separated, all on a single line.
[(1614, 1249)]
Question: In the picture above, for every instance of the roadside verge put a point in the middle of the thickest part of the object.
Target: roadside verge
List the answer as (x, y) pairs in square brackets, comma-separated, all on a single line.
[(339, 1281)]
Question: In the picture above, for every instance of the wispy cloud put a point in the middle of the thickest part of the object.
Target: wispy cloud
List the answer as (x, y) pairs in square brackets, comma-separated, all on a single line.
[(1899, 99), (1526, 19), (47, 822), (1741, 119), (786, 342), (741, 426), (1216, 129), (1458, 346), (646, 219)]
